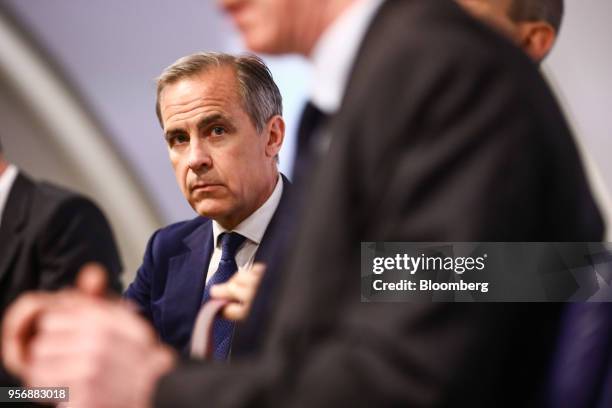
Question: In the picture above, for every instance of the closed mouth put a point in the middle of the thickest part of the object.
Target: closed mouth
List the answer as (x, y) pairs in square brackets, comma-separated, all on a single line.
[(204, 186)]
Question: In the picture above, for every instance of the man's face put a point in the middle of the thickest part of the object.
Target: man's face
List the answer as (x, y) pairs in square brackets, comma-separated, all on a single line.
[(275, 26), (224, 167)]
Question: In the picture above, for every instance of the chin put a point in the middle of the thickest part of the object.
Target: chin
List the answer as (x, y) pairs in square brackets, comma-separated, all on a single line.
[(257, 46), (261, 42), (207, 207), (209, 211)]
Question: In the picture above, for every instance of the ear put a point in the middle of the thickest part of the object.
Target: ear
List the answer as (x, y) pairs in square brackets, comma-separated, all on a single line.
[(275, 134), (536, 38)]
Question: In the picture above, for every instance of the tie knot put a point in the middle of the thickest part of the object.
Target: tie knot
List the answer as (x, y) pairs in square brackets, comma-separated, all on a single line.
[(230, 242)]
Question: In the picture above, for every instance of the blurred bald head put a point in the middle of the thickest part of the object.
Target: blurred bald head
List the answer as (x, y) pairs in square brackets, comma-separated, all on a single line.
[(532, 24)]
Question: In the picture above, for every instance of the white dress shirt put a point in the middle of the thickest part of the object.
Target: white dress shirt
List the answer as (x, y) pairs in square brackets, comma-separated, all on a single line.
[(334, 54), (7, 179), (253, 228)]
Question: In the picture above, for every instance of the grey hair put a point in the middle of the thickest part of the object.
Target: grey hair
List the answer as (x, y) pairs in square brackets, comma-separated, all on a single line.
[(550, 11), (261, 98)]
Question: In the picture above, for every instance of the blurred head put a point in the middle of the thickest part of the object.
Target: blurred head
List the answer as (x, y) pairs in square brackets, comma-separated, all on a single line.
[(531, 24), (283, 26), (222, 122)]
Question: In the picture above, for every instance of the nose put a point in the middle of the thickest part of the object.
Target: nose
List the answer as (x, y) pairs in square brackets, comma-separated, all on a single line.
[(199, 157)]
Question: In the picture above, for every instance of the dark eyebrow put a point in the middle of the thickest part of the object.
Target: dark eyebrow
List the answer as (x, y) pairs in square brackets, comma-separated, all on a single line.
[(173, 132), (202, 124), (208, 120), (217, 117)]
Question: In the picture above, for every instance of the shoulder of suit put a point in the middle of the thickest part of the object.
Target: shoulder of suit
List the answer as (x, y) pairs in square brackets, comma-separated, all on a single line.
[(51, 198), (184, 227), (55, 193), (434, 49), (438, 29), (48, 200), (173, 234)]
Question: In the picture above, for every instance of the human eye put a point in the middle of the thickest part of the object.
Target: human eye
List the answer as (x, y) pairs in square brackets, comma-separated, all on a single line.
[(177, 139), (218, 130)]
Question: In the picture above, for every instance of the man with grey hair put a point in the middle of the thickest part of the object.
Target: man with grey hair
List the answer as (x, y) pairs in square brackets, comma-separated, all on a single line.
[(221, 116)]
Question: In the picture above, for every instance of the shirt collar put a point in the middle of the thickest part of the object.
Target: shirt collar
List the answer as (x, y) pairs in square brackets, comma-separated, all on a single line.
[(335, 52), (6, 183), (254, 226)]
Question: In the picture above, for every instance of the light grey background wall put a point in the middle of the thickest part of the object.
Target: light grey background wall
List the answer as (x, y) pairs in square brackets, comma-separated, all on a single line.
[(109, 52)]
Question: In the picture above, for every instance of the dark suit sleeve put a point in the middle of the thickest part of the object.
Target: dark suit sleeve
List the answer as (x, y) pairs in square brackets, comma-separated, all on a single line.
[(77, 233), (139, 291)]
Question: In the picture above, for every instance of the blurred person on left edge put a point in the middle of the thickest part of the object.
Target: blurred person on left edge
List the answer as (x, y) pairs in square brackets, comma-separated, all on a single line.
[(47, 233)]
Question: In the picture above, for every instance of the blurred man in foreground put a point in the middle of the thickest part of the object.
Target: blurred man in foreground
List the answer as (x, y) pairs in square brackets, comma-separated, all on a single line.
[(422, 126)]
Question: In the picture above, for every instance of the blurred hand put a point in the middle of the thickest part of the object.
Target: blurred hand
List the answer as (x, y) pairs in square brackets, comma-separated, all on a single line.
[(106, 354), (240, 291), (19, 328), (20, 321), (92, 280)]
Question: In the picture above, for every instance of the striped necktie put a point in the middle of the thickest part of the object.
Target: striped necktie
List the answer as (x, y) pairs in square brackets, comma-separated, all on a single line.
[(222, 328)]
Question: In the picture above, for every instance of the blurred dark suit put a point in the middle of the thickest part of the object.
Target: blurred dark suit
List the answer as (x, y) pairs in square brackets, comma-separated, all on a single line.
[(47, 234), (447, 132)]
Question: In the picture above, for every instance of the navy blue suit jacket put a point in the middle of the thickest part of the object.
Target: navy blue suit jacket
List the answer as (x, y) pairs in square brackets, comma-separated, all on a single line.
[(170, 282)]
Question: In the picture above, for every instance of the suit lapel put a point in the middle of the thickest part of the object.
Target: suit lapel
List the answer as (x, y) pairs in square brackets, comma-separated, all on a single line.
[(272, 237), (185, 284), (14, 219), (248, 334)]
